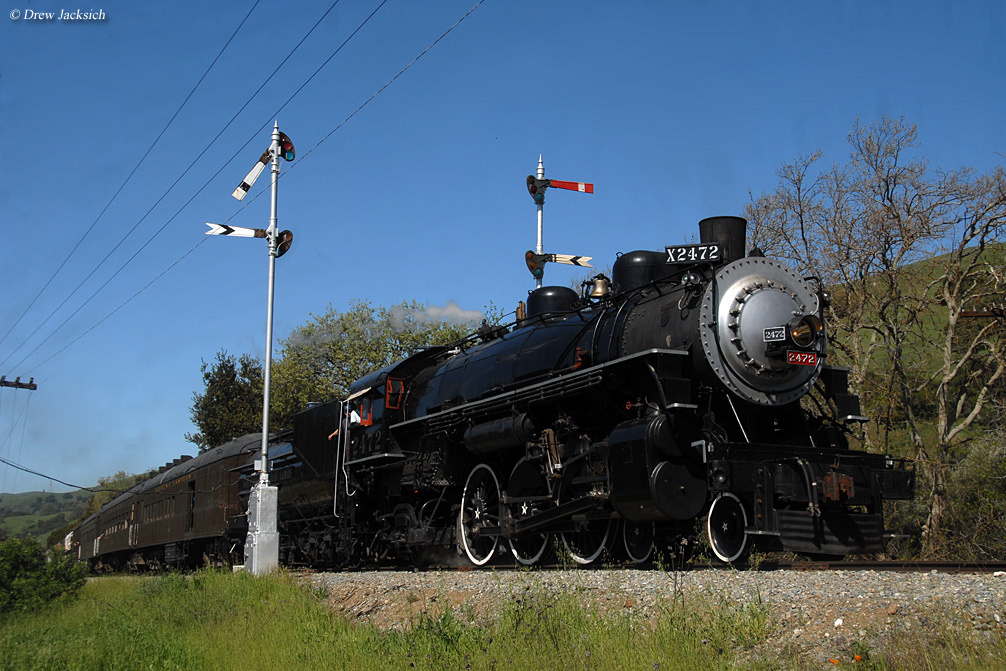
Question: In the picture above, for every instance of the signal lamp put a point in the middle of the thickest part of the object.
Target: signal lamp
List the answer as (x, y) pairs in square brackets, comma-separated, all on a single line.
[(805, 330), (536, 187), (283, 243), (535, 263), (286, 149)]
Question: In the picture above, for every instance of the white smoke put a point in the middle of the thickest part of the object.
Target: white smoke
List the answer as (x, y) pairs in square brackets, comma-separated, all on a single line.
[(318, 338), (451, 312)]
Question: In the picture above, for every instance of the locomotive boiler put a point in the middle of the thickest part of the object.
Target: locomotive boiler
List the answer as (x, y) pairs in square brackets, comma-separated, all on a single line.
[(613, 419)]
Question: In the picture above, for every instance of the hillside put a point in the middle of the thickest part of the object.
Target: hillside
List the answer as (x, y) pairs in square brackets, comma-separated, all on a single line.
[(38, 513)]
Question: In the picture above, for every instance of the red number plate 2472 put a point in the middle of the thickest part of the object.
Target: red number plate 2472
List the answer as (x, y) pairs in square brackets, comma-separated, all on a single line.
[(802, 358)]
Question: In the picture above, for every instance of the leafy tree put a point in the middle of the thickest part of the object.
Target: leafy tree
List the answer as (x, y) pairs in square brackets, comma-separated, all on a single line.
[(28, 581), (907, 250), (110, 486), (320, 359), (317, 362), (231, 404)]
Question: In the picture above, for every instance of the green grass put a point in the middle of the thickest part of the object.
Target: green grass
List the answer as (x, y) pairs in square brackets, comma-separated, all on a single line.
[(223, 621), (18, 525)]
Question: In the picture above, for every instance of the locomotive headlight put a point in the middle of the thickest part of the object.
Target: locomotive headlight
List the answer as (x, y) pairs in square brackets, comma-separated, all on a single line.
[(805, 330)]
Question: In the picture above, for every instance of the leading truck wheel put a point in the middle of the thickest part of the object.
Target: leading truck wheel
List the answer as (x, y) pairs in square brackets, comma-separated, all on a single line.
[(480, 508), (725, 529)]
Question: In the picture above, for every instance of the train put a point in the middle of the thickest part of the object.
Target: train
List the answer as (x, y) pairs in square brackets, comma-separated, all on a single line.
[(688, 395)]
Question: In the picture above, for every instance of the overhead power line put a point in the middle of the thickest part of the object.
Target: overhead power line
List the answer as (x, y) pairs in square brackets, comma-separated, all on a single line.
[(248, 202), (22, 420), (121, 305), (163, 196), (387, 84), (117, 192), (99, 488), (187, 202), (201, 189), (239, 151)]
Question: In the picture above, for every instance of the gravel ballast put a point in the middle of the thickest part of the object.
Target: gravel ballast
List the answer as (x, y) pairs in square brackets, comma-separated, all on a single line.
[(817, 610)]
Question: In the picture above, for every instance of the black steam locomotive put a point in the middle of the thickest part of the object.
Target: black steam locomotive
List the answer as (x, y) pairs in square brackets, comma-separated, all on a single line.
[(607, 420)]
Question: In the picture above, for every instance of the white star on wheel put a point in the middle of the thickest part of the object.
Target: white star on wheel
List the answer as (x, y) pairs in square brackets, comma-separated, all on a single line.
[(725, 527), (523, 509), (478, 514)]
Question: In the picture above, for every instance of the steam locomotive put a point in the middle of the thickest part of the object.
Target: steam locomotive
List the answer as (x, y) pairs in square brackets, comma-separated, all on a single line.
[(614, 419)]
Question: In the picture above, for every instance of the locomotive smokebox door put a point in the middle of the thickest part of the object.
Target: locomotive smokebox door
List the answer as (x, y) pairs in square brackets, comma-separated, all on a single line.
[(744, 323)]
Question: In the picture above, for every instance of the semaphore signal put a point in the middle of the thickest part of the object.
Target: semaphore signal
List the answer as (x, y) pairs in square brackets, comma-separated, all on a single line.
[(536, 262), (262, 544), (284, 149), (536, 186)]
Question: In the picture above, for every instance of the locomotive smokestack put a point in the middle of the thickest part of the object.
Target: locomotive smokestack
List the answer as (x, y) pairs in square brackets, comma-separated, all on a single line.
[(729, 232)]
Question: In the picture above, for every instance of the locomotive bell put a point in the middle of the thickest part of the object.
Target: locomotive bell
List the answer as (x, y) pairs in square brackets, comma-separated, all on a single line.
[(600, 287)]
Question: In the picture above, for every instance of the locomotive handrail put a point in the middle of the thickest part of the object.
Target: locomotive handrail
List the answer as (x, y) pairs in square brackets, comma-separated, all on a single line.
[(335, 481), (341, 448), (587, 376)]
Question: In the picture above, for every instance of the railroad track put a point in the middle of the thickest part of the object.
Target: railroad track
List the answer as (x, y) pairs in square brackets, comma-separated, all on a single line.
[(914, 566), (884, 565)]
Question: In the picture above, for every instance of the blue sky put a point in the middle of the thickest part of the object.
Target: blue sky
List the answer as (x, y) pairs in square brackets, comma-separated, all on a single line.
[(675, 111)]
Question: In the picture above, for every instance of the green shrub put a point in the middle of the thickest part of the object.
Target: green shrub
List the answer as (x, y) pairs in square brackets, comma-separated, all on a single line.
[(28, 581), (977, 503)]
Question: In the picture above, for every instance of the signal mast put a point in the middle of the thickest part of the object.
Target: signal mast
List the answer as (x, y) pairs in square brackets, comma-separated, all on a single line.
[(262, 543), (536, 185)]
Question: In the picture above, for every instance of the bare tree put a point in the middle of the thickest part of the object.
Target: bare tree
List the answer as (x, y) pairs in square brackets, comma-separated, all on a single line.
[(863, 227)]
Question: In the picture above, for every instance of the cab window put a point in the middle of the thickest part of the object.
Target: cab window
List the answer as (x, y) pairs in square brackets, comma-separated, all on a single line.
[(394, 393)]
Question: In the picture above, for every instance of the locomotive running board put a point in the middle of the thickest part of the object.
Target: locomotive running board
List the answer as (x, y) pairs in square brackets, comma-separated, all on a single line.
[(563, 384), (372, 457)]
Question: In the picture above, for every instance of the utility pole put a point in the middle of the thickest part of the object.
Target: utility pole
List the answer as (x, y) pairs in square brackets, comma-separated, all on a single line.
[(17, 383)]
